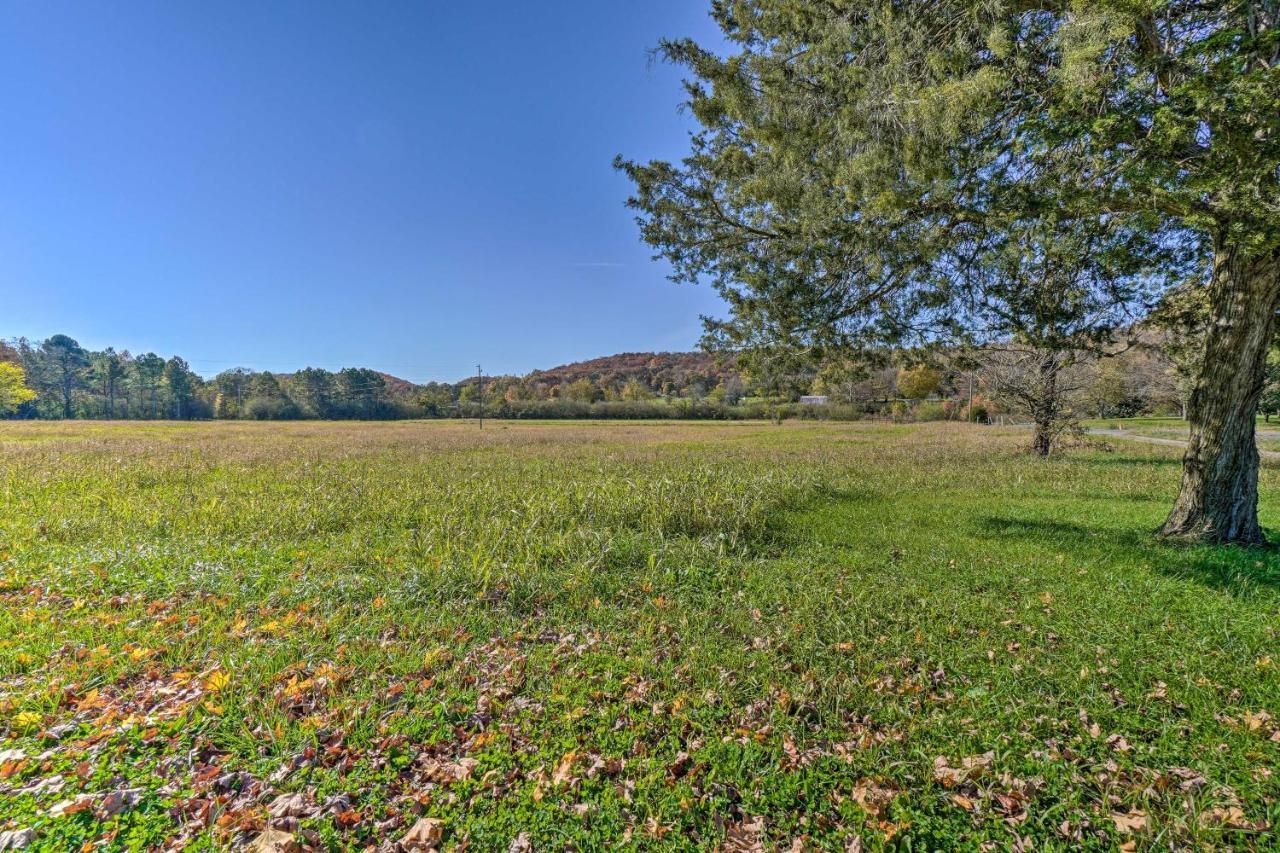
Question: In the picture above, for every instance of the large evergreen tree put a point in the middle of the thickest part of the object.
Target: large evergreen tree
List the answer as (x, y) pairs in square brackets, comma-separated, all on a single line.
[(62, 366), (181, 383), (109, 370), (850, 150), (150, 368)]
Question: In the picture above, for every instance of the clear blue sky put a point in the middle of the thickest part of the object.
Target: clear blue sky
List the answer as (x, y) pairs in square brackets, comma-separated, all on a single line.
[(408, 186)]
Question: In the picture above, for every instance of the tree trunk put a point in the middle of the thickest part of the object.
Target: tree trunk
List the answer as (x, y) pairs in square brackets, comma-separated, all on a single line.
[(1218, 500), (1045, 409)]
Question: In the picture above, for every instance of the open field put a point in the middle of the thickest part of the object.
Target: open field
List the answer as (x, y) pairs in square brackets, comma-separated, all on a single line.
[(675, 634)]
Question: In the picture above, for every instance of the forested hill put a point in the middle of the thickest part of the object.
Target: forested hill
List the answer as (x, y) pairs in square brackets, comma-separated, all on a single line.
[(653, 369)]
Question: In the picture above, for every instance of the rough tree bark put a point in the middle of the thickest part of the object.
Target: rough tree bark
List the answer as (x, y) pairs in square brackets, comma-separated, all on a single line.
[(1045, 408), (1218, 500)]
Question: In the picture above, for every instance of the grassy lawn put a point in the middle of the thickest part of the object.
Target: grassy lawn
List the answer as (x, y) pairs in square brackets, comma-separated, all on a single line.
[(677, 635)]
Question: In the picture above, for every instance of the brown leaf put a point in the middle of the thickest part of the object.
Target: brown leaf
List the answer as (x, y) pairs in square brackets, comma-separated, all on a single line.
[(563, 774), (745, 837), (601, 766), (16, 839), (12, 761), (1231, 817), (119, 801), (1188, 779), (1134, 821), (873, 798), (274, 841), (1010, 804), (448, 772), (66, 807), (679, 767), (970, 768), (1253, 722), (1118, 743), (424, 835), (292, 805)]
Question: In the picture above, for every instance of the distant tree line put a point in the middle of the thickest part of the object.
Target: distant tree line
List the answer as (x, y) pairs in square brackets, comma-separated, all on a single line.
[(65, 380), (1154, 374)]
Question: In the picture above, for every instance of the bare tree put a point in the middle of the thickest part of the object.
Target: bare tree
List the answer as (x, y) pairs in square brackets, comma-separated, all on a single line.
[(1034, 382)]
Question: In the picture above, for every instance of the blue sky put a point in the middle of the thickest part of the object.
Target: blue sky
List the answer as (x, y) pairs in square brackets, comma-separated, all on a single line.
[(408, 186)]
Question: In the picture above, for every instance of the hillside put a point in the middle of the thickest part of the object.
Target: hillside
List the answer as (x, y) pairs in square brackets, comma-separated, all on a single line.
[(651, 368), (399, 388)]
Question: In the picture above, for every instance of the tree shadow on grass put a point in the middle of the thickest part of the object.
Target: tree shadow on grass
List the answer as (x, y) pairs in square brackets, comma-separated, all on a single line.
[(788, 529), (1228, 568)]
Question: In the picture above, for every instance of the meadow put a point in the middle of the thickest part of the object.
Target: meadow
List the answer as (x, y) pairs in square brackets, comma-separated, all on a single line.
[(538, 636)]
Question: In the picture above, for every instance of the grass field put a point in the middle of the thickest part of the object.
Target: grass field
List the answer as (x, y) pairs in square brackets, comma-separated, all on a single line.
[(805, 636)]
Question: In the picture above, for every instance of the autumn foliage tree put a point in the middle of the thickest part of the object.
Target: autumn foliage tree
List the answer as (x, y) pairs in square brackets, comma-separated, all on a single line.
[(917, 383), (13, 388)]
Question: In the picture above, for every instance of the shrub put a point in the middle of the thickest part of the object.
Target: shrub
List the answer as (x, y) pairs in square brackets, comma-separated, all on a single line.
[(931, 410), (271, 409)]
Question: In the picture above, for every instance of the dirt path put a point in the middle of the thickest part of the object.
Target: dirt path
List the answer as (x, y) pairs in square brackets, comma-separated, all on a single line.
[(1171, 442)]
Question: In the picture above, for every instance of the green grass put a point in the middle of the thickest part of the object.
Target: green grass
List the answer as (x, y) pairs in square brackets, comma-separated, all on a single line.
[(656, 635)]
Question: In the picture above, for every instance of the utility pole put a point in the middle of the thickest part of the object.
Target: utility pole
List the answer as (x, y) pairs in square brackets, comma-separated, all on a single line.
[(480, 380)]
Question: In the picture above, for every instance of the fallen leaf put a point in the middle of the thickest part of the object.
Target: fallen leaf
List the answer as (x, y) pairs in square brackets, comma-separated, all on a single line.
[(564, 770), (1118, 743), (1134, 821), (970, 768), (72, 806), (27, 720), (1231, 817), (873, 798), (274, 841), (292, 805), (119, 801), (424, 835), (16, 839), (1254, 722), (745, 837), (217, 681)]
